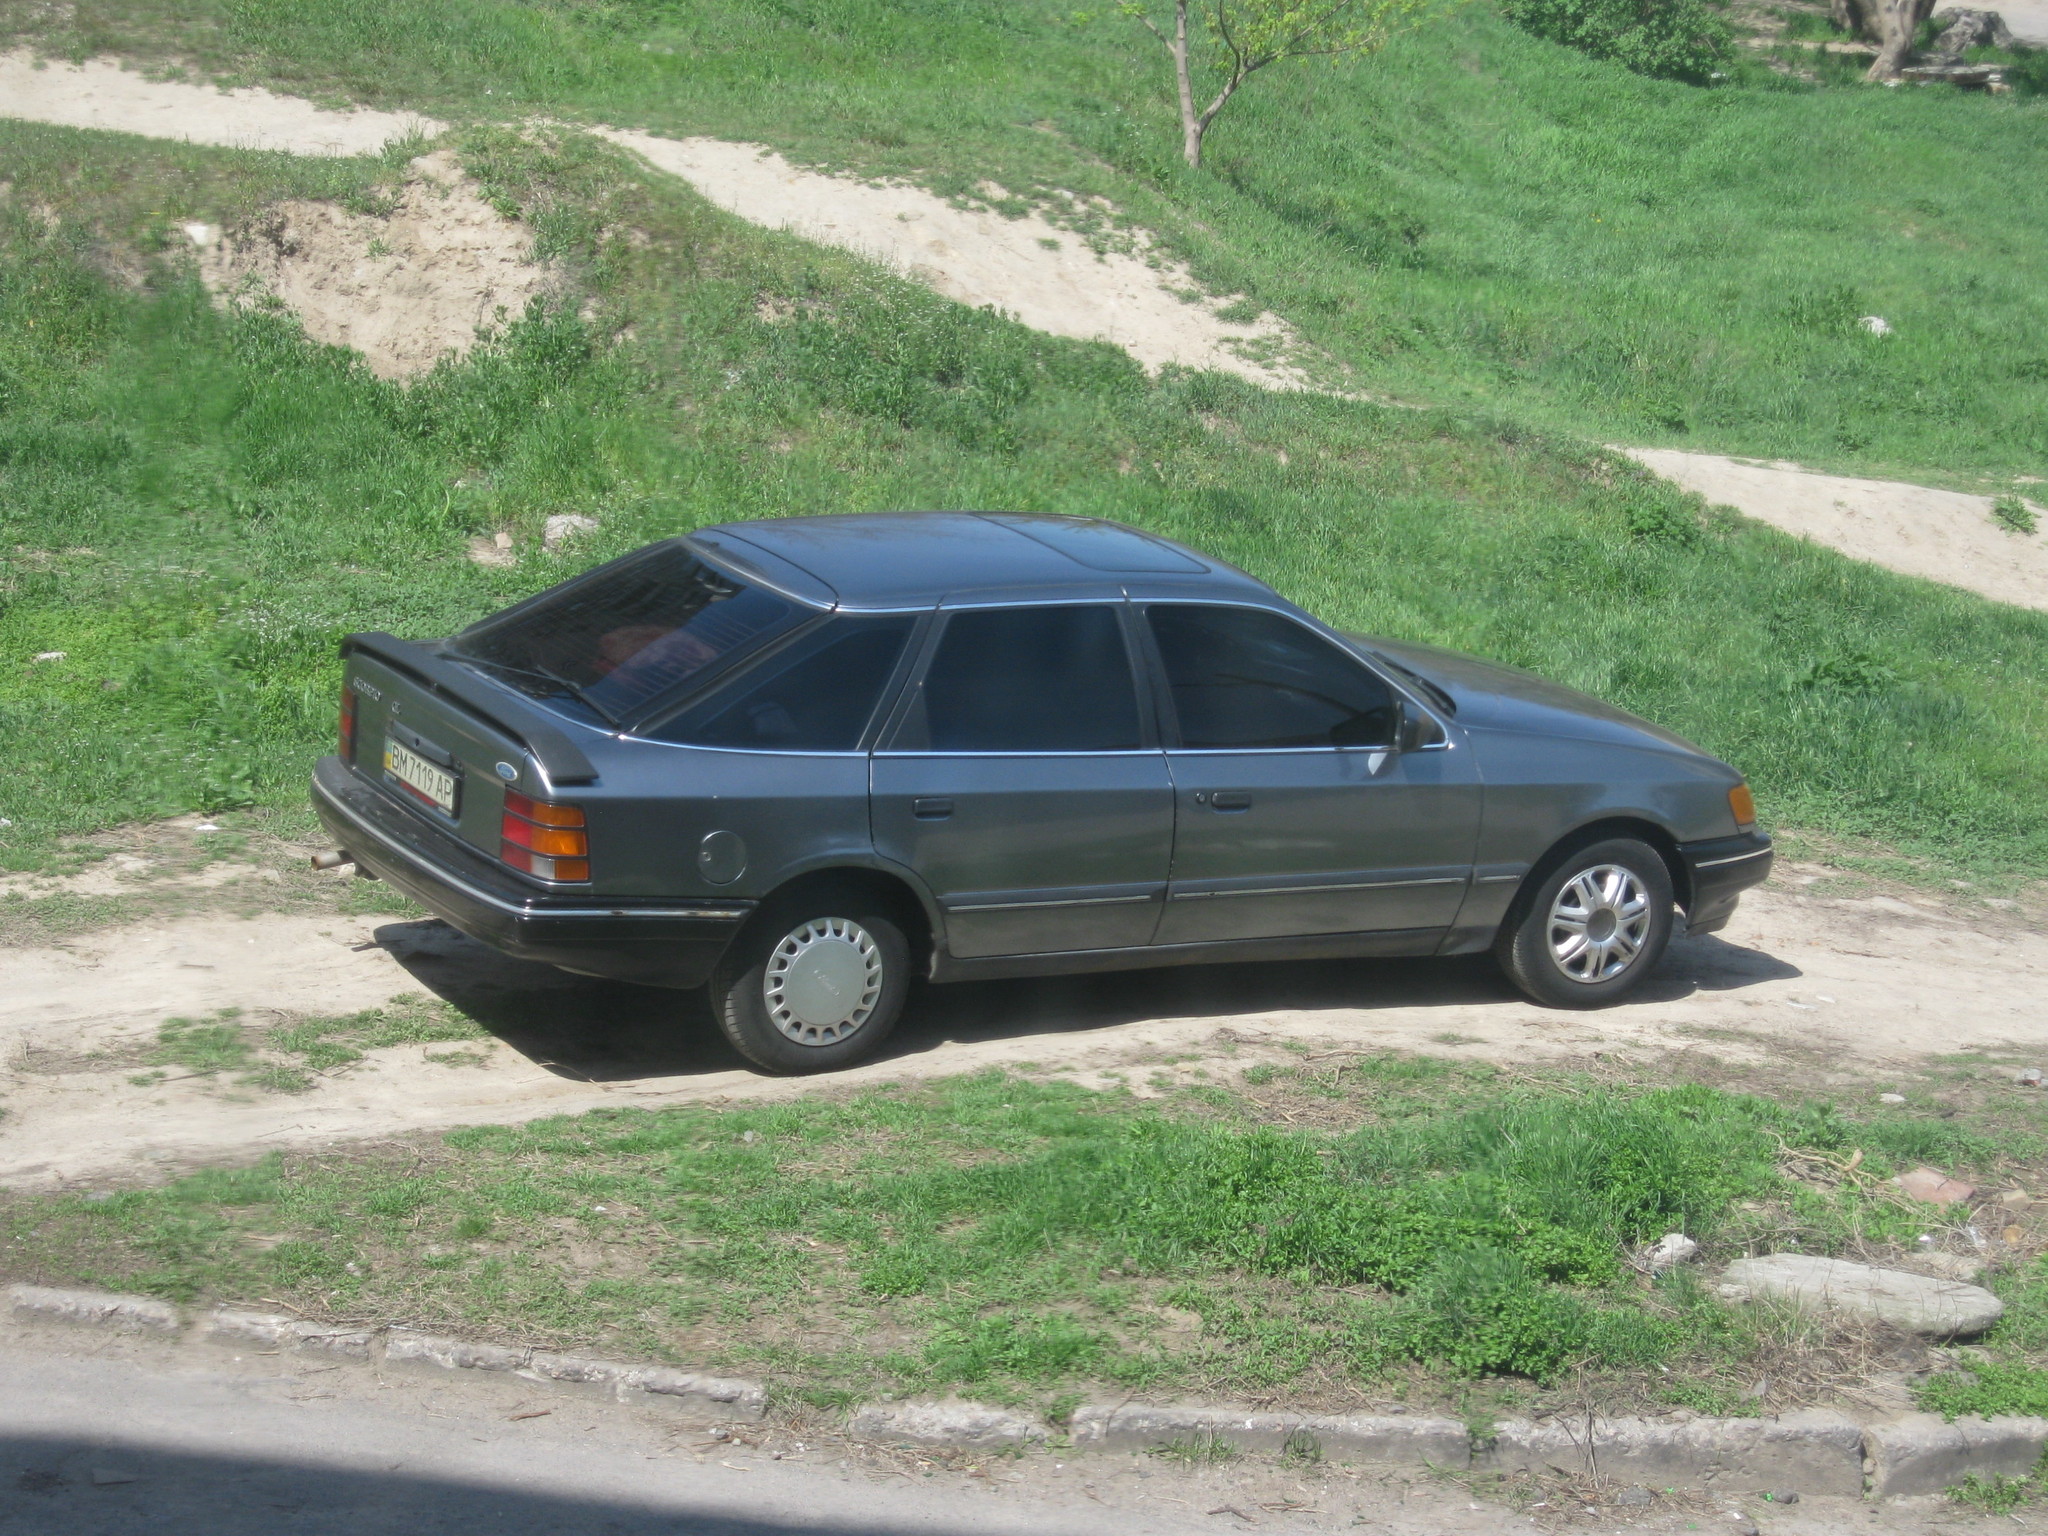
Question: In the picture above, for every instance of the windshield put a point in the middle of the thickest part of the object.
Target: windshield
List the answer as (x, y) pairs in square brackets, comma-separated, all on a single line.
[(629, 632)]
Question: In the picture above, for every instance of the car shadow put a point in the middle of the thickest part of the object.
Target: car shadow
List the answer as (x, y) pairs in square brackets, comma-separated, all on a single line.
[(594, 1030)]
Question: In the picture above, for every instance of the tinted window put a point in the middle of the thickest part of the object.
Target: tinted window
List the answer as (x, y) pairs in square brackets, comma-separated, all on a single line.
[(1241, 677), (630, 631), (1029, 680), (815, 696)]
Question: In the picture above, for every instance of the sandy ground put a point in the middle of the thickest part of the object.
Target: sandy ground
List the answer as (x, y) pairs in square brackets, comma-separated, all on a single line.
[(1869, 980), (102, 94), (1945, 536), (404, 290), (1044, 275)]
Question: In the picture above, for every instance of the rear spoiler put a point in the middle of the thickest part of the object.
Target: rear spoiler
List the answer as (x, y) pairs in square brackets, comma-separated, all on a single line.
[(560, 758)]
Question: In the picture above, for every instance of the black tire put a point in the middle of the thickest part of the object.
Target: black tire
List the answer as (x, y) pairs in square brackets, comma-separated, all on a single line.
[(1534, 946), (781, 1016)]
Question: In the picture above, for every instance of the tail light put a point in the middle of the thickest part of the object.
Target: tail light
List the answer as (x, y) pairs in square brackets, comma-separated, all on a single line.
[(544, 840), (348, 724)]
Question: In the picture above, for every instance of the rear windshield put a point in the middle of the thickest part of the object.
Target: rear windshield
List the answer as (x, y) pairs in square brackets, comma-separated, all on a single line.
[(630, 632)]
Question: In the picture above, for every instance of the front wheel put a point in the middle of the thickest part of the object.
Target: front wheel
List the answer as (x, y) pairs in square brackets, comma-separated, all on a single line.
[(1593, 929), (814, 987)]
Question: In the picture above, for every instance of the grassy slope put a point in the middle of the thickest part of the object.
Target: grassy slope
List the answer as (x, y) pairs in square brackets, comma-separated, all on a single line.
[(198, 504), (1474, 217)]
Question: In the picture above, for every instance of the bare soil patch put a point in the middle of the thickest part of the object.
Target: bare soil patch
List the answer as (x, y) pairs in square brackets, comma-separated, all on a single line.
[(1945, 536), (404, 290)]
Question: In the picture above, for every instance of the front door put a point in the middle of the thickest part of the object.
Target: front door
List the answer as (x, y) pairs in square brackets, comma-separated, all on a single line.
[(1296, 812), (1022, 787)]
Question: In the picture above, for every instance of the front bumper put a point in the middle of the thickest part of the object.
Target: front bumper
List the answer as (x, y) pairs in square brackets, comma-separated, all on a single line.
[(642, 939), (1718, 871)]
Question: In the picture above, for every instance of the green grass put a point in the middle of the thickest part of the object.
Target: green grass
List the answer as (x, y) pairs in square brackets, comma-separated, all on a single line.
[(1475, 216), (195, 504), (284, 1057), (1019, 1238)]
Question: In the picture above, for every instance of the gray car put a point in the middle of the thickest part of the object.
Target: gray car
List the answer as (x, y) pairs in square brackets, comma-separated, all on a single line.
[(803, 761)]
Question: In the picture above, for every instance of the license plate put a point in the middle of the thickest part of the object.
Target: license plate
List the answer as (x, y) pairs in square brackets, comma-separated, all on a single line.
[(427, 781)]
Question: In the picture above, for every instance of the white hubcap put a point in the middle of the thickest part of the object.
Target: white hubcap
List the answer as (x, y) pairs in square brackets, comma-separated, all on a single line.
[(1599, 923), (823, 980)]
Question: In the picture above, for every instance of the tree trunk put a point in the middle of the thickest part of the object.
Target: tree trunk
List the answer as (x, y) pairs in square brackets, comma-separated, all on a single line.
[(1191, 124), (1897, 21), (1858, 18)]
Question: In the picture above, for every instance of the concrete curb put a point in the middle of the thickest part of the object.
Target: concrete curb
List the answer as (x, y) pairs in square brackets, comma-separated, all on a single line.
[(1812, 1452), (704, 1397)]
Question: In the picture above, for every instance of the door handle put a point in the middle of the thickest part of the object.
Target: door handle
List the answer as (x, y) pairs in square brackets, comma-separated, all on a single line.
[(1230, 800), (931, 808)]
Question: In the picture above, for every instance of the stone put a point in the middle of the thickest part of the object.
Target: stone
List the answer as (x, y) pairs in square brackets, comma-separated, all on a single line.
[(1964, 30), (1935, 1188), (564, 526), (1406, 1440), (233, 1327), (1782, 1496), (1634, 1498), (1813, 1449), (134, 1314), (1877, 325), (1922, 1304), (1741, 1524), (2014, 1200), (1953, 1266), (1891, 1098), (406, 1346), (976, 1426), (1670, 1251), (1924, 1454)]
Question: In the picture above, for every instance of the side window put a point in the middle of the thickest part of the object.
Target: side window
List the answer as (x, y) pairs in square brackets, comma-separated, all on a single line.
[(1028, 680), (1243, 677), (814, 697)]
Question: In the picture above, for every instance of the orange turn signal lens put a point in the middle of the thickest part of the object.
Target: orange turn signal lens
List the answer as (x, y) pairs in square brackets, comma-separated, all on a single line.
[(541, 813), (1743, 804), (555, 842)]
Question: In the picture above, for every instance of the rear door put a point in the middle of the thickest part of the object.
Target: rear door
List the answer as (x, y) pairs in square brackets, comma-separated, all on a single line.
[(1023, 783), (1296, 813)]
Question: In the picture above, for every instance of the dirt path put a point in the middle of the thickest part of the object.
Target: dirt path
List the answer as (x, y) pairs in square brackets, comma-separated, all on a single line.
[(101, 94), (1870, 980), (1045, 275), (1945, 536)]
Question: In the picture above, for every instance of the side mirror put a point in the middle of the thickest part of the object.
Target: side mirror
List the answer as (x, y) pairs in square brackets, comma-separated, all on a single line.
[(1415, 728)]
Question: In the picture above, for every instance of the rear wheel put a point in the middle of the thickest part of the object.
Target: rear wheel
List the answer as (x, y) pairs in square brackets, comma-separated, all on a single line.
[(1594, 929), (813, 986)]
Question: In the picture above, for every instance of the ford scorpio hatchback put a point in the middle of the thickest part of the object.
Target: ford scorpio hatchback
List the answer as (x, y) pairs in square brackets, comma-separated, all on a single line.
[(804, 761)]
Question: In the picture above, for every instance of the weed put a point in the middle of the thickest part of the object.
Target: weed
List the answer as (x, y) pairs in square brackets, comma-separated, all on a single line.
[(1200, 1450), (205, 1047), (2013, 514), (1988, 1389), (1999, 1495)]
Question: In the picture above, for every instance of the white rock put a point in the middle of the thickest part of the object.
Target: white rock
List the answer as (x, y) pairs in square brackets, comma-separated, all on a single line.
[(564, 526), (1891, 1098), (1877, 325), (1942, 1309), (50, 655), (1670, 1251), (201, 235)]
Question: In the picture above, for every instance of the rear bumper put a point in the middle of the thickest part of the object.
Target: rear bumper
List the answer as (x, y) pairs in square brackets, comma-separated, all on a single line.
[(1718, 872), (641, 939)]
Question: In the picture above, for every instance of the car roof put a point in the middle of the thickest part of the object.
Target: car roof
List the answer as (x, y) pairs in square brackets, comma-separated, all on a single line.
[(917, 559)]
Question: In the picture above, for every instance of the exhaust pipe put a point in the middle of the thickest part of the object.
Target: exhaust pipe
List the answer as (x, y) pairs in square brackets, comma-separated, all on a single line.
[(333, 859)]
